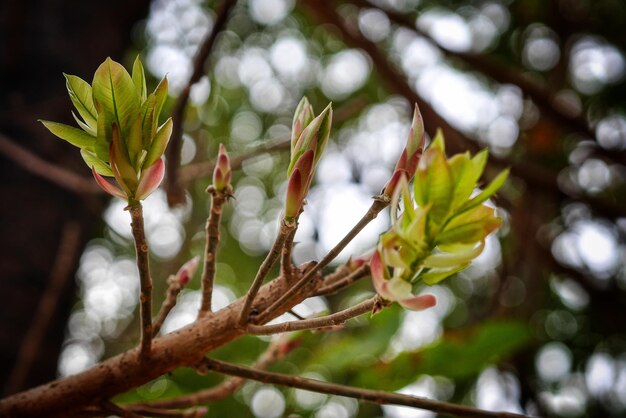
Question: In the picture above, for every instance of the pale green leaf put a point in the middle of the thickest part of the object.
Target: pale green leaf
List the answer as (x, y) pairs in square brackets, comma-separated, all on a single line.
[(92, 160), (114, 89), (81, 96), (74, 136), (487, 192), (148, 125), (139, 79), (91, 131), (439, 186), (466, 173), (469, 227), (434, 276), (159, 143), (452, 259), (103, 140), (160, 95), (438, 142), (134, 140)]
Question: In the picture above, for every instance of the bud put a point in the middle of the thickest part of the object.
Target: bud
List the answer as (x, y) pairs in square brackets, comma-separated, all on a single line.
[(313, 137), (411, 154), (187, 270), (222, 173), (301, 118), (298, 185), (150, 179), (119, 134)]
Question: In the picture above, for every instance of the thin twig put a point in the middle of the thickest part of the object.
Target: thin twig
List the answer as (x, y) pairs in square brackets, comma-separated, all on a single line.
[(61, 271), (175, 193), (272, 256), (143, 265), (286, 268), (46, 170), (277, 350), (380, 202), (218, 199), (336, 286), (338, 318), (174, 286), (374, 396)]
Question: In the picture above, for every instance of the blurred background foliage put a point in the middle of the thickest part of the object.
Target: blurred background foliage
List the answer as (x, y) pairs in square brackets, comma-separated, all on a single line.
[(535, 325)]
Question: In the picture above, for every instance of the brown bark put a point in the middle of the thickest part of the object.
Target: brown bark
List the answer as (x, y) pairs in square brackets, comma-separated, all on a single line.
[(185, 347)]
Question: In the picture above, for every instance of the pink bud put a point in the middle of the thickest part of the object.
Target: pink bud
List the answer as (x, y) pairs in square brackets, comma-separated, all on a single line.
[(222, 174), (294, 194), (298, 185), (108, 187), (187, 270), (150, 179)]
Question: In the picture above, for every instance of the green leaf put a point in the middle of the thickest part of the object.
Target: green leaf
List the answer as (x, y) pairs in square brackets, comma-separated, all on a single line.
[(437, 186), (139, 78), (160, 95), (438, 142), (103, 140), (487, 192), (469, 227), (91, 131), (134, 141), (148, 127), (120, 162), (74, 136), (452, 259), (466, 173), (92, 160), (159, 143), (81, 96), (436, 275), (114, 89)]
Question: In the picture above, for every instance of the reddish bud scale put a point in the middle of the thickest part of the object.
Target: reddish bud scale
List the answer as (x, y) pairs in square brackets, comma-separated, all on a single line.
[(298, 185), (151, 178), (222, 174)]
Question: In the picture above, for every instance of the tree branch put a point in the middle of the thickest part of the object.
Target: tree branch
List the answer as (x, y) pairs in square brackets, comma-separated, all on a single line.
[(210, 251), (174, 286), (184, 347), (277, 350), (270, 259), (338, 318), (380, 203), (46, 170), (143, 265), (175, 193), (336, 286), (374, 396)]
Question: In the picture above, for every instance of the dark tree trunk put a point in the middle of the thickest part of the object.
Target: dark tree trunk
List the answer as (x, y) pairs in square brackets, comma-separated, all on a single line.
[(38, 41)]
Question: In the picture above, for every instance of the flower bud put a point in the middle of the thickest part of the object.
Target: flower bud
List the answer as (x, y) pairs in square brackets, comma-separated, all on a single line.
[(301, 118), (298, 185), (411, 154), (222, 173), (187, 270)]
